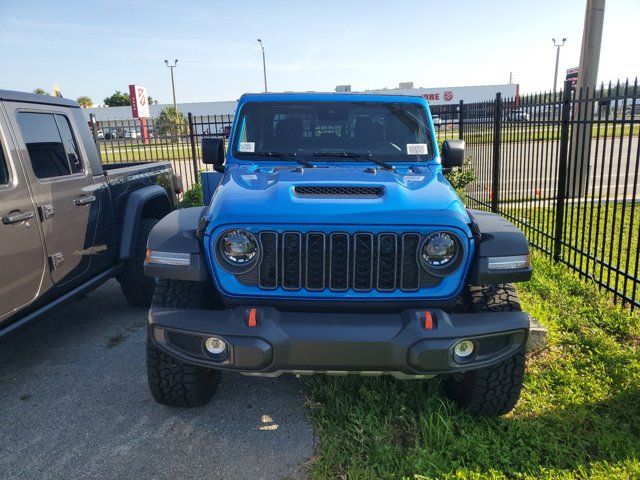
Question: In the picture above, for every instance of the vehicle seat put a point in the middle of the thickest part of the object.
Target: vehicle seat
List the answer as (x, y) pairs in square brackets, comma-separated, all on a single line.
[(287, 133), (367, 133)]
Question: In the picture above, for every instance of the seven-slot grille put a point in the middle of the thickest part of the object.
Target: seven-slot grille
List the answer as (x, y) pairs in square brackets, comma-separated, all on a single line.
[(340, 261)]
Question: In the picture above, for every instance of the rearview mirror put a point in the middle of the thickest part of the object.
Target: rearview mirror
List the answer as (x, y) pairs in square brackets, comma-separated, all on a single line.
[(452, 153), (213, 153)]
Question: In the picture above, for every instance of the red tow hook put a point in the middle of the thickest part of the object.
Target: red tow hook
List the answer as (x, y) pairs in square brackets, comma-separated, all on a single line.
[(428, 321), (252, 319)]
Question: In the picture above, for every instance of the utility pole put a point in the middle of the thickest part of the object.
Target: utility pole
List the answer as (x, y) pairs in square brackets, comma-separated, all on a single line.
[(591, 43), (264, 65), (510, 78), (173, 83), (587, 77), (555, 75)]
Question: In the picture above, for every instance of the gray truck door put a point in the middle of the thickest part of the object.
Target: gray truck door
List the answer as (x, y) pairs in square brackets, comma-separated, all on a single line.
[(22, 260), (62, 187)]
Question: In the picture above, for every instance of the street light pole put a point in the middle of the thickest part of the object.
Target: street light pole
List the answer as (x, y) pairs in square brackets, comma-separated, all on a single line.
[(555, 75), (264, 65), (173, 83)]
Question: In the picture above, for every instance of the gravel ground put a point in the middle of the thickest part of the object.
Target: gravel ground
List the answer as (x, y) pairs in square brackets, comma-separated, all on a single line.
[(74, 404)]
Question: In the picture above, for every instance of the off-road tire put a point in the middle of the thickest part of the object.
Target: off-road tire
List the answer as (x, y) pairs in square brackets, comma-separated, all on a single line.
[(136, 286), (491, 391), (171, 381)]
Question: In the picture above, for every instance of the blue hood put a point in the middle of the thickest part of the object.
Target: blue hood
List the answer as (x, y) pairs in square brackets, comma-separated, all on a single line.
[(251, 194)]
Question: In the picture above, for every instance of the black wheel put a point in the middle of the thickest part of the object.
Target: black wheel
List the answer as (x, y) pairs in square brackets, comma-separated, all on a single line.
[(171, 381), (136, 286), (495, 390)]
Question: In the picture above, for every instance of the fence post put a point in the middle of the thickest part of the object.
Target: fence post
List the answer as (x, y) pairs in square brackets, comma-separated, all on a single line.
[(460, 121), (495, 184), (94, 127), (194, 152), (561, 185)]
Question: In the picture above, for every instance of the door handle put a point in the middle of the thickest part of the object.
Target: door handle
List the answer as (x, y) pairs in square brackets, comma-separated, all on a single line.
[(84, 200), (17, 217)]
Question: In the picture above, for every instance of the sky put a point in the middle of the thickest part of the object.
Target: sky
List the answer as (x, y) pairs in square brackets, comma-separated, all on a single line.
[(96, 47)]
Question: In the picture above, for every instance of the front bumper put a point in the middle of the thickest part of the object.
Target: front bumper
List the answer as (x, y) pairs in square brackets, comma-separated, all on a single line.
[(302, 342)]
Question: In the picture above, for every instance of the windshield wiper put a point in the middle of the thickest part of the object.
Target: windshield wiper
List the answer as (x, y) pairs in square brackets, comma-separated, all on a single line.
[(283, 155), (357, 156)]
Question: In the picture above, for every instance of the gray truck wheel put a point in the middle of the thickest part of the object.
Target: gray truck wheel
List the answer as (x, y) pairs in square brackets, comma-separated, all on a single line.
[(136, 286), (171, 381), (494, 390)]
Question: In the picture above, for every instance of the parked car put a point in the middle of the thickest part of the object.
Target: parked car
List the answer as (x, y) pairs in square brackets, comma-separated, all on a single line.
[(113, 133), (131, 133), (69, 223), (519, 115), (437, 121), (333, 243)]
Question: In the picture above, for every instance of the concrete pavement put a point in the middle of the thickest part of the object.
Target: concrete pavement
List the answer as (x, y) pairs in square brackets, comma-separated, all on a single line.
[(74, 404)]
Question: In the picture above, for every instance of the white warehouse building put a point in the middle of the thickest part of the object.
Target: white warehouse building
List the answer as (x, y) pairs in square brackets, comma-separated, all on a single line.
[(435, 96)]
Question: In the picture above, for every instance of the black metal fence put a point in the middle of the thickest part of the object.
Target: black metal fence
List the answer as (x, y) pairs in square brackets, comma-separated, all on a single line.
[(152, 140), (564, 168)]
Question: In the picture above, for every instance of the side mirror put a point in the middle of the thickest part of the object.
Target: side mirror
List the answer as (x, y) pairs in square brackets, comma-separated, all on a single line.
[(213, 153), (452, 153)]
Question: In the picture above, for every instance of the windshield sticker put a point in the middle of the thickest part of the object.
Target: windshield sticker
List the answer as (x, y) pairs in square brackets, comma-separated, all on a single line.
[(247, 147), (417, 149)]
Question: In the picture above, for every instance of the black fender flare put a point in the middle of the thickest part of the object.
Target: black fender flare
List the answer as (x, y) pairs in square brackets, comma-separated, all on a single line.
[(178, 233), (133, 212), (496, 237)]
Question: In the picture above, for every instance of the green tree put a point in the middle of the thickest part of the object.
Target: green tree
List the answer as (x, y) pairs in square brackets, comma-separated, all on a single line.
[(118, 99), (41, 91), (171, 122), (84, 101)]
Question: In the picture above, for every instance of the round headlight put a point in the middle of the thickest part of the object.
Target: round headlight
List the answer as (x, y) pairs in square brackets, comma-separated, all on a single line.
[(439, 250), (238, 247)]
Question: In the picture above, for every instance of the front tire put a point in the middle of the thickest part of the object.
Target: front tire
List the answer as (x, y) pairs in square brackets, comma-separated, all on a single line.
[(491, 391), (171, 381)]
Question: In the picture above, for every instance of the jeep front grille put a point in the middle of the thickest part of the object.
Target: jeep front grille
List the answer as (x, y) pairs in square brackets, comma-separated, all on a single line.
[(339, 261)]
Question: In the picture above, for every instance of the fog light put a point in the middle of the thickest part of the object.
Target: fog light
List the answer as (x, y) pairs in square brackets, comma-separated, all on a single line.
[(215, 345), (463, 349)]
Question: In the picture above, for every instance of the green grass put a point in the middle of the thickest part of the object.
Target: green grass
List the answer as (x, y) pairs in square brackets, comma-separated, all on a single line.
[(113, 152), (579, 416), (527, 132)]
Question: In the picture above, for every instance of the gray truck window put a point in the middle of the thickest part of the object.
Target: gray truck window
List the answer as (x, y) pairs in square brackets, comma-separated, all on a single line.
[(50, 143), (4, 171)]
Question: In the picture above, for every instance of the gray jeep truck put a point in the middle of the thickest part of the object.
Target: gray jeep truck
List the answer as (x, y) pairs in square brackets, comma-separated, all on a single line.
[(67, 222)]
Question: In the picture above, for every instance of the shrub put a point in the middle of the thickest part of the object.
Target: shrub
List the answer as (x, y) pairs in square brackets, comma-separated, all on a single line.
[(459, 178), (192, 197)]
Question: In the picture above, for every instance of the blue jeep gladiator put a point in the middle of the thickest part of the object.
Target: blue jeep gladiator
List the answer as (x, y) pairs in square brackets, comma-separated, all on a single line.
[(333, 243)]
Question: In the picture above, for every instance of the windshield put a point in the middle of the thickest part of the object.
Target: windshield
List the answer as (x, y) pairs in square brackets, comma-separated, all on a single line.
[(334, 131)]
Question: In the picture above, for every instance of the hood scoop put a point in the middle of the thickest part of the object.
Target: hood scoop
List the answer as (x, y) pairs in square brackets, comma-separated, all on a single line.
[(337, 191)]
